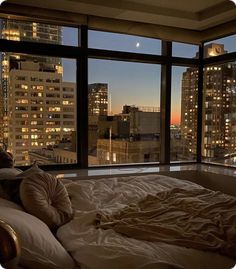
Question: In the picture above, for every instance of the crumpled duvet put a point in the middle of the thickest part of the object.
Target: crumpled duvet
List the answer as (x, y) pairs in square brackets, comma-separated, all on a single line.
[(198, 218), (94, 248)]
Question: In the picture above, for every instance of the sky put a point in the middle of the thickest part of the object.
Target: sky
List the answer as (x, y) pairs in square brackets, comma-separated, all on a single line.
[(128, 82)]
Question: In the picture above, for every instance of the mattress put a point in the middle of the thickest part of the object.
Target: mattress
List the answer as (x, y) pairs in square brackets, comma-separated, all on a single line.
[(94, 248)]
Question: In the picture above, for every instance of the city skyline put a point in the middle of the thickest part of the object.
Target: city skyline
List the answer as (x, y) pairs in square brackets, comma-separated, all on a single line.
[(123, 101), (120, 85)]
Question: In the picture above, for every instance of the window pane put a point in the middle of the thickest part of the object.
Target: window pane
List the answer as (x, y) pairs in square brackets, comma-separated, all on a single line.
[(121, 42), (124, 117), (38, 32), (38, 109), (184, 50), (183, 128), (219, 118), (220, 46)]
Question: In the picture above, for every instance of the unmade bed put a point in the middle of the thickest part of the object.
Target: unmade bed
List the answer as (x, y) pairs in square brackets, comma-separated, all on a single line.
[(96, 238)]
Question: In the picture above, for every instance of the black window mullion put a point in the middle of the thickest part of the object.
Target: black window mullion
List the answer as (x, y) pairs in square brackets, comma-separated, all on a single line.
[(165, 104), (82, 100)]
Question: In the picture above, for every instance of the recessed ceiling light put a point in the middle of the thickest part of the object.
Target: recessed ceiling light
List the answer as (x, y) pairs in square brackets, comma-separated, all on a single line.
[(234, 1), (1, 1)]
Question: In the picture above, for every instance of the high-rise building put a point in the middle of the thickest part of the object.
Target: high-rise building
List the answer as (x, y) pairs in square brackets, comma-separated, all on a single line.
[(189, 108), (219, 111), (41, 109), (98, 99), (23, 31)]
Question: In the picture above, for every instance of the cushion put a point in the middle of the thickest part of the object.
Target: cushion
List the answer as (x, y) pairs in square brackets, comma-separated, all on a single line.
[(45, 197), (6, 159), (9, 173), (40, 249), (32, 170), (9, 189), (7, 203), (9, 184)]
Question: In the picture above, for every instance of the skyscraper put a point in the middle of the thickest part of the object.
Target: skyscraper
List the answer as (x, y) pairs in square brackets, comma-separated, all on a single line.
[(38, 108), (23, 31), (41, 110), (219, 111), (98, 99)]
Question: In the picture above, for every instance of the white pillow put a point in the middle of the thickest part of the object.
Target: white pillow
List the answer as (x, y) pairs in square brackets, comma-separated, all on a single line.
[(9, 173), (40, 249)]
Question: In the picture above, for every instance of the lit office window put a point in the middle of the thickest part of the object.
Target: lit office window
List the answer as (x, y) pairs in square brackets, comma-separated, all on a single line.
[(124, 112), (183, 129)]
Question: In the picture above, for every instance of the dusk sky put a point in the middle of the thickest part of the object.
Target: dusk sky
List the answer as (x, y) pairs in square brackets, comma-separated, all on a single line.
[(131, 83)]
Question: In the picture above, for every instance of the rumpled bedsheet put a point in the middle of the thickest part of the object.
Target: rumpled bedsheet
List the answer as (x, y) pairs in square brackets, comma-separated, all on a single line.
[(198, 218)]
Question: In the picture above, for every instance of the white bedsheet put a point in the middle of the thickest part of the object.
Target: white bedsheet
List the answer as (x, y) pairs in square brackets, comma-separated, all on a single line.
[(105, 249)]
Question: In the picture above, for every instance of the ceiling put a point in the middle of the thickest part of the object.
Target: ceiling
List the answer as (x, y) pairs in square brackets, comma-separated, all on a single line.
[(188, 14)]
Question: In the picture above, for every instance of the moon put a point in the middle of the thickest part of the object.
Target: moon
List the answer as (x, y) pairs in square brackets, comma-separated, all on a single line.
[(137, 45)]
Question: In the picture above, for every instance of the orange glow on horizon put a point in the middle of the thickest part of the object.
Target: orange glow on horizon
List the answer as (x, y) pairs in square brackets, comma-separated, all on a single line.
[(175, 119)]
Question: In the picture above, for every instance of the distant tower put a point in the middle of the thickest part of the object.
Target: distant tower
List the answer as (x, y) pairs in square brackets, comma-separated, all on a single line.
[(98, 99)]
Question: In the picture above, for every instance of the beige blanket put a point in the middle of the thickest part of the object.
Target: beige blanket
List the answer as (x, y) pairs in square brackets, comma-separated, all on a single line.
[(199, 218)]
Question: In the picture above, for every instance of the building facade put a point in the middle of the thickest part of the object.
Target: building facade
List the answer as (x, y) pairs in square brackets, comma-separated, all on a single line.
[(23, 31), (219, 111), (41, 109)]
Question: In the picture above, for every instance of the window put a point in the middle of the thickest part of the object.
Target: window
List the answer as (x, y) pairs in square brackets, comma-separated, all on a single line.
[(184, 100), (124, 112), (122, 42), (184, 50)]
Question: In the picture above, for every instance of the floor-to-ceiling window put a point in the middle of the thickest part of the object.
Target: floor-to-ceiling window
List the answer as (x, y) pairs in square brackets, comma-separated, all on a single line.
[(219, 99)]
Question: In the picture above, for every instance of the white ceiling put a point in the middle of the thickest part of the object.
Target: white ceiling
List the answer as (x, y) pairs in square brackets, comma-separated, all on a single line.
[(187, 14)]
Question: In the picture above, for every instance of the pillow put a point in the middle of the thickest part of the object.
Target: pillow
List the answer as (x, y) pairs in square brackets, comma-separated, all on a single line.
[(9, 189), (6, 159), (40, 249), (45, 197), (6, 203), (32, 170), (9, 173)]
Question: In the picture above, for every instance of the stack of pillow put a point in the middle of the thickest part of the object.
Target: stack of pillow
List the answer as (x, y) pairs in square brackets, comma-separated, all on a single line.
[(35, 204)]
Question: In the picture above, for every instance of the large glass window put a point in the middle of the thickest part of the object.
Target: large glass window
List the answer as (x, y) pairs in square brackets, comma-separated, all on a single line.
[(184, 50), (184, 98), (121, 42), (38, 108), (38, 32), (219, 117), (124, 112)]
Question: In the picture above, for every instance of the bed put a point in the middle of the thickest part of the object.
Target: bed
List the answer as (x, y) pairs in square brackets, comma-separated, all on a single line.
[(97, 244), (97, 248)]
